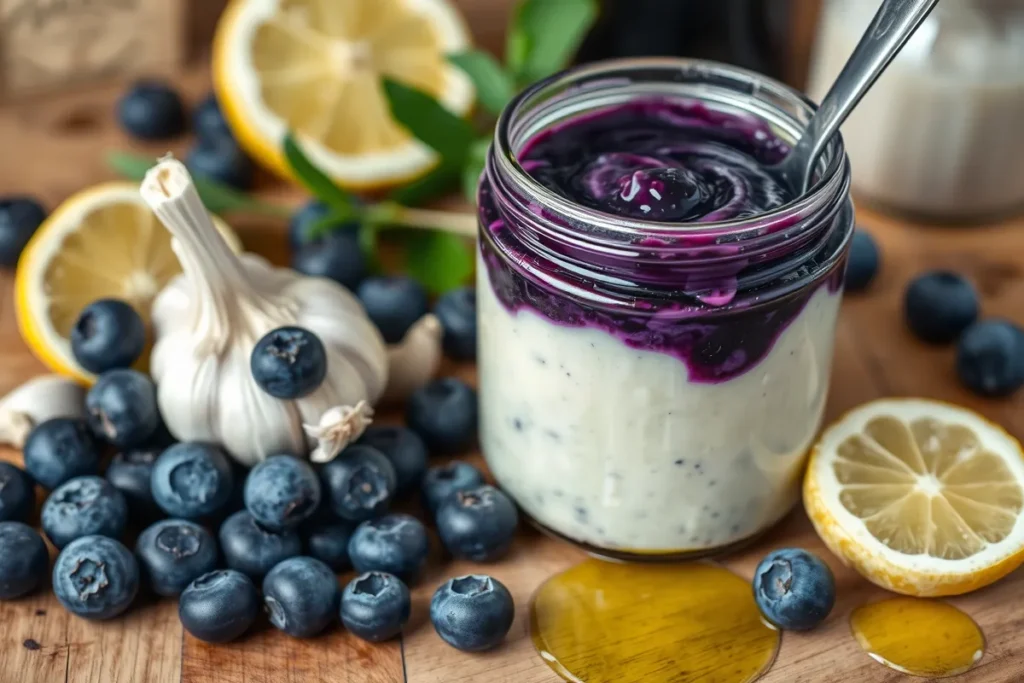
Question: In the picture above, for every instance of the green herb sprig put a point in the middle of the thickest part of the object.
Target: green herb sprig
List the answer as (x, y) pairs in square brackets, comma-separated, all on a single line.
[(435, 243)]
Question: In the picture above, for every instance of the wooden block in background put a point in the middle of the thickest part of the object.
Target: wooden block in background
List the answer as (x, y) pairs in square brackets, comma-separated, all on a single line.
[(48, 46)]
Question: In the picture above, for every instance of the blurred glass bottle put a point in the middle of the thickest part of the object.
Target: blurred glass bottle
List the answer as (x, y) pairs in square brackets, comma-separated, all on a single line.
[(747, 33), (941, 135)]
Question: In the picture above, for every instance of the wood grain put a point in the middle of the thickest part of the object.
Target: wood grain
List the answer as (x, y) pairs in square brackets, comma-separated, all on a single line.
[(55, 149)]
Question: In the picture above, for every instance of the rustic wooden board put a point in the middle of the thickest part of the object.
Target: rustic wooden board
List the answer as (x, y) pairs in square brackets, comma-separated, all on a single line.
[(53, 149)]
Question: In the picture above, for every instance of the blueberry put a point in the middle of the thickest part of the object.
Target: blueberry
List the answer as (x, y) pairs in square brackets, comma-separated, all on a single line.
[(19, 219), (23, 560), (359, 483), (395, 543), (327, 541), (393, 304), (308, 217), (192, 480), (208, 121), (289, 362), (59, 449), (122, 408), (477, 524), (108, 334), (301, 596), (939, 306), (794, 589), (219, 606), (173, 552), (151, 110), (17, 494), (375, 606), (281, 492), (444, 480), (472, 613), (95, 577), (84, 506), (160, 439), (404, 449), (444, 414), (990, 357), (862, 263), (253, 550), (337, 257), (130, 473), (221, 160), (457, 312)]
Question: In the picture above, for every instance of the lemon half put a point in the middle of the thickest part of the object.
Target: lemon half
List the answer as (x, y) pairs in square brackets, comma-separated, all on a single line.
[(103, 242), (921, 497), (315, 66)]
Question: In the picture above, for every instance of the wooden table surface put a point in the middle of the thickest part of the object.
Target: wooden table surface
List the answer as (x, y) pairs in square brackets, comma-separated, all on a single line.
[(54, 148)]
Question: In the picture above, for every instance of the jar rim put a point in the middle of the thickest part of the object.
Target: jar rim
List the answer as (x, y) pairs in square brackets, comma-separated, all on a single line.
[(758, 92)]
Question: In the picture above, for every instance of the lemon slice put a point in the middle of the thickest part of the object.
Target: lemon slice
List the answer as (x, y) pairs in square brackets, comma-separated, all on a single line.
[(315, 66), (103, 242), (921, 497)]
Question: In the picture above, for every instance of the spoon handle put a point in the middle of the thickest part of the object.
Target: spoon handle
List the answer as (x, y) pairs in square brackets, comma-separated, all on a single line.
[(894, 23)]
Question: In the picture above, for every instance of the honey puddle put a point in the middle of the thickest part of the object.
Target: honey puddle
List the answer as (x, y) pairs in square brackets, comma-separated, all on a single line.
[(602, 622), (918, 637)]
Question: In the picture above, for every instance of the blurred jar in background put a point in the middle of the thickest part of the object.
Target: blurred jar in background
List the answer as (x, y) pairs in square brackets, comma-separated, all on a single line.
[(753, 34), (941, 135)]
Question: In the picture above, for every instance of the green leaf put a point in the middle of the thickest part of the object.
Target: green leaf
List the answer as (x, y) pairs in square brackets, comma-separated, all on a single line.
[(545, 34), (437, 183), (317, 182), (217, 197), (432, 124), (494, 87), (474, 167), (517, 47), (438, 260)]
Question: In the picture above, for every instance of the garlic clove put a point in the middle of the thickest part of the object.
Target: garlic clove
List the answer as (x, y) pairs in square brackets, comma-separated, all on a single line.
[(415, 360), (38, 400), (338, 427)]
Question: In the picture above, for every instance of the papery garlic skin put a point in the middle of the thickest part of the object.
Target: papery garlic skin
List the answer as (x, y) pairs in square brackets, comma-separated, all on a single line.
[(415, 360), (38, 400), (338, 427), (208, 319)]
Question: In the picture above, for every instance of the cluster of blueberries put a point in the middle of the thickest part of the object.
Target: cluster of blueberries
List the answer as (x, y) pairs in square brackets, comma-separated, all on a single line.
[(153, 111), (286, 529), (942, 307)]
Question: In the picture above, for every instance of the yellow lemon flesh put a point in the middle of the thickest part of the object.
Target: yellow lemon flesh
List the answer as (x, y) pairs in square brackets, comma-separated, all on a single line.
[(921, 497), (101, 243), (315, 67)]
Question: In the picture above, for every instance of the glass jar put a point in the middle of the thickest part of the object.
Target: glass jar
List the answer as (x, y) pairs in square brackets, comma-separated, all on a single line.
[(939, 135), (650, 390)]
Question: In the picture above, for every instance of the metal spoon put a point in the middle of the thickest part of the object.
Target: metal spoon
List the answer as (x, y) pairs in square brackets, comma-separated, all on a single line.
[(894, 23)]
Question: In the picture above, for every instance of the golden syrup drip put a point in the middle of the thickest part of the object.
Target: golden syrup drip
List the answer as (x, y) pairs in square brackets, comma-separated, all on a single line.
[(601, 622), (918, 637)]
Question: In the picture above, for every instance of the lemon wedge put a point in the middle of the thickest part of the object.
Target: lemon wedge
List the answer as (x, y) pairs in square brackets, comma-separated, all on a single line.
[(315, 67), (103, 242), (921, 497)]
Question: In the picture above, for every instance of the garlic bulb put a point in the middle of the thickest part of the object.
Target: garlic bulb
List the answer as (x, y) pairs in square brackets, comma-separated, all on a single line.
[(207, 320), (38, 400), (414, 361), (338, 427)]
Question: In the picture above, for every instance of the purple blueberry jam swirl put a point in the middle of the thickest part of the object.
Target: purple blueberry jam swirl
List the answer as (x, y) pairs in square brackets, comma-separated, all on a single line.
[(661, 161), (716, 303)]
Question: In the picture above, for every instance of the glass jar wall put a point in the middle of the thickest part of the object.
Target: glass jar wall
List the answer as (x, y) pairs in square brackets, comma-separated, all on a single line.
[(656, 312)]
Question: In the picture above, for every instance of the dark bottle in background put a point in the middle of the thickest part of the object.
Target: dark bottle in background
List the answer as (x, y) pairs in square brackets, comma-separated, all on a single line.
[(755, 34)]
